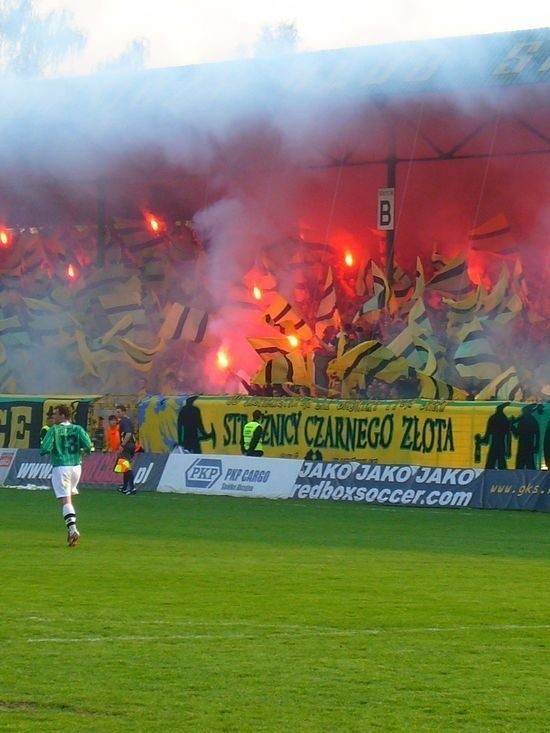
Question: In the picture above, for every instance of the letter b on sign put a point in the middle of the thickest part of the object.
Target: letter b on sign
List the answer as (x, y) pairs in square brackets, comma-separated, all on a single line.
[(385, 208)]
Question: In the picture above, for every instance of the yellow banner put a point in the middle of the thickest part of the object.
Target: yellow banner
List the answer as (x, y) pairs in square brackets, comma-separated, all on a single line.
[(417, 432), (22, 416)]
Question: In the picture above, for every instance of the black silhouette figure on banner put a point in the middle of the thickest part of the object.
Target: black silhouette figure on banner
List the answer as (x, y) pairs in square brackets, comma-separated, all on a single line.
[(526, 429), (191, 429), (498, 437), (313, 455)]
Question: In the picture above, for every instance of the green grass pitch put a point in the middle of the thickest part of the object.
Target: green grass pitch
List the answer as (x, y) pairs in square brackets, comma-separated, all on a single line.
[(194, 613)]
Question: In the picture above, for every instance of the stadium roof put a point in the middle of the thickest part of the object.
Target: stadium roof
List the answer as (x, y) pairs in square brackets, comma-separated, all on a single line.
[(330, 108), (498, 59)]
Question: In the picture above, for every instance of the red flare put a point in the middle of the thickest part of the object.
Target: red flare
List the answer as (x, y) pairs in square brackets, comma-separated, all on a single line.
[(5, 238), (222, 359), (154, 223)]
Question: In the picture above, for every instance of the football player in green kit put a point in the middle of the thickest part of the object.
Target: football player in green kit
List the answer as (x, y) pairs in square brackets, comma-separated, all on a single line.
[(66, 442)]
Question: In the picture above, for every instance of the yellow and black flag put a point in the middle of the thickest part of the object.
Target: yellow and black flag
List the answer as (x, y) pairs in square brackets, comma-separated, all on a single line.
[(438, 260), (426, 356), (32, 252), (420, 280), (419, 321), (504, 387), (511, 307), (494, 236), (153, 269), (362, 277), (184, 323), (141, 357), (13, 332), (429, 355), (452, 278), (123, 300), (270, 348), (290, 369), (402, 284), (381, 293), (297, 267), (55, 330), (8, 384), (283, 316), (418, 351), (435, 389), (402, 300), (327, 311), (401, 292), (85, 354), (136, 235), (462, 311), (109, 279), (474, 357), (518, 283), (121, 329), (371, 359), (490, 302), (403, 345)]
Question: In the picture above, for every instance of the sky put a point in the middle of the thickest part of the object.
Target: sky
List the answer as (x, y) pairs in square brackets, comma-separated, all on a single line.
[(186, 32)]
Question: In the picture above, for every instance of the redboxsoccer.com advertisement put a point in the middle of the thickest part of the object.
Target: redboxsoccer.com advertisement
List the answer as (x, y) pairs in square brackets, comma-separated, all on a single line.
[(229, 475), (365, 483)]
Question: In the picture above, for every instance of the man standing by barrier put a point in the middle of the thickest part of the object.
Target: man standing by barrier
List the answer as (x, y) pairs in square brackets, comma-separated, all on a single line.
[(251, 438), (47, 425), (127, 449), (113, 435), (65, 442)]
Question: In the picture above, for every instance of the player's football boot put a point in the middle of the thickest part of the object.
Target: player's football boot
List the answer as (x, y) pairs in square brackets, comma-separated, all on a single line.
[(72, 537)]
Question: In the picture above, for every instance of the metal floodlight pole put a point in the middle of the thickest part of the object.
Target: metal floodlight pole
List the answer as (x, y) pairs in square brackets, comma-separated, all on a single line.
[(391, 177), (101, 222)]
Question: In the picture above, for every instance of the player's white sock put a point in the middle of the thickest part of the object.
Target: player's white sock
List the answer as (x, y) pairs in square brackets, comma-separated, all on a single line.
[(69, 516)]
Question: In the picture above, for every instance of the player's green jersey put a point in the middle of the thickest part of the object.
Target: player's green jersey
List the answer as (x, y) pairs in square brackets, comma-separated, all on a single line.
[(65, 443)]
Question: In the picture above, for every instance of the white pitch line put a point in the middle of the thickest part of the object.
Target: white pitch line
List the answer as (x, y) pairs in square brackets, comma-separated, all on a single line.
[(274, 632), (126, 637)]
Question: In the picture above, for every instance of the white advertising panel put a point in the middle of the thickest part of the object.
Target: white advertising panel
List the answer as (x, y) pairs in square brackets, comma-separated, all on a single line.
[(191, 473), (6, 459)]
